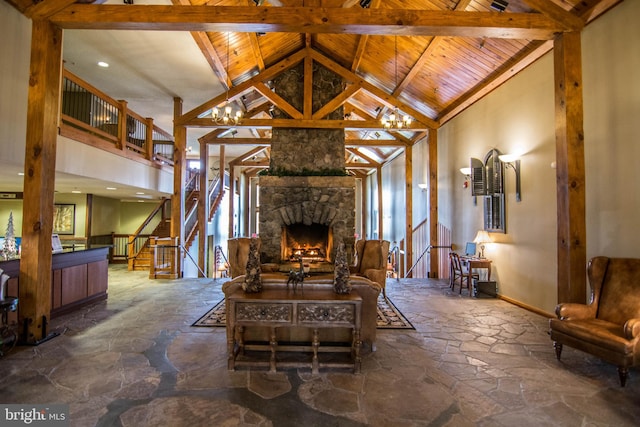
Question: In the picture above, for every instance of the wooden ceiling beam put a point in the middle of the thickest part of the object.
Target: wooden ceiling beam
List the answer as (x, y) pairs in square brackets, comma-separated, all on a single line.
[(277, 100), (243, 87), (373, 90), (336, 102), (557, 14), (532, 26), (364, 157), (374, 125), (44, 9)]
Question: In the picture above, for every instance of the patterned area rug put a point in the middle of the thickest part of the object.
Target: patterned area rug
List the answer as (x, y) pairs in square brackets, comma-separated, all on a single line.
[(389, 317)]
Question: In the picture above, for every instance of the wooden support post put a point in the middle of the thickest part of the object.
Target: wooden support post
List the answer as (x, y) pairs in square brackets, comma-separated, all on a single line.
[(203, 208), (570, 172), (179, 177), (232, 192), (123, 125), (408, 191), (39, 179), (149, 139), (433, 203), (380, 205)]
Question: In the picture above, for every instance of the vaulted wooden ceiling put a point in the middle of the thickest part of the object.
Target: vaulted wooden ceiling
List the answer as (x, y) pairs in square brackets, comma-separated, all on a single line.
[(428, 58)]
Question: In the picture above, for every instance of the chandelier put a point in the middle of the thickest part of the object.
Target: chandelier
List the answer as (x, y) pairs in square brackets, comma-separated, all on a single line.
[(226, 116), (395, 121)]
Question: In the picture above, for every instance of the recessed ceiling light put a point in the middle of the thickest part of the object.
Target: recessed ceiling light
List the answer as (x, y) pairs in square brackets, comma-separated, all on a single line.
[(139, 192), (111, 188), (76, 191), (21, 173), (103, 64)]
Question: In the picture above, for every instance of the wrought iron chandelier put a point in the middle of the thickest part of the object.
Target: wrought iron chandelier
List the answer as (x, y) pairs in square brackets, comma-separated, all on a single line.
[(395, 121), (226, 116)]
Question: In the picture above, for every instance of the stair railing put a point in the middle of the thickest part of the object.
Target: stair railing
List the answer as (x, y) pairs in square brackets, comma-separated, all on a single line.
[(139, 240), (192, 188), (427, 250)]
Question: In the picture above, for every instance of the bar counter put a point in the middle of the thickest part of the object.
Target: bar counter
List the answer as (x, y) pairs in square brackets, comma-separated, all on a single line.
[(78, 277)]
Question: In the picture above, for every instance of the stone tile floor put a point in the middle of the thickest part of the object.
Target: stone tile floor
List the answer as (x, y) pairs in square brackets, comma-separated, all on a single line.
[(135, 360)]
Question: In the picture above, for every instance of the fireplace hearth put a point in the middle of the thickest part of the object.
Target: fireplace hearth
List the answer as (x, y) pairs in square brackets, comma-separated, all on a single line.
[(309, 242)]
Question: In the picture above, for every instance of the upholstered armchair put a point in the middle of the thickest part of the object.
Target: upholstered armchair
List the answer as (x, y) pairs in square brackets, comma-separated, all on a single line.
[(239, 255), (371, 261), (609, 326)]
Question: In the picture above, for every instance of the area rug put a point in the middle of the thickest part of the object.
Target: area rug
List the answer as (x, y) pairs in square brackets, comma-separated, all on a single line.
[(389, 317)]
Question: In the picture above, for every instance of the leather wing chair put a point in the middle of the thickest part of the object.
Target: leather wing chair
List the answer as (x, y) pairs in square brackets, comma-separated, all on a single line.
[(371, 261), (609, 326), (239, 255)]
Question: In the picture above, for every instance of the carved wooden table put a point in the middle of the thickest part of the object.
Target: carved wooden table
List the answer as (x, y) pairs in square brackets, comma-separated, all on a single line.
[(282, 308)]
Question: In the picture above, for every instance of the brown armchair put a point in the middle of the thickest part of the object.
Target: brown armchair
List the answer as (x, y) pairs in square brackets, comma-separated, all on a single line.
[(239, 255), (608, 327), (371, 261)]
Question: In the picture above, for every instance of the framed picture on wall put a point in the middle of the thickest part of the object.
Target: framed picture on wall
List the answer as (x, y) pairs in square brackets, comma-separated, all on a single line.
[(64, 219)]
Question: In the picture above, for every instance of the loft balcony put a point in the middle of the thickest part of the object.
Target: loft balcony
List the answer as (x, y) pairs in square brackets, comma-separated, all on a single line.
[(94, 118)]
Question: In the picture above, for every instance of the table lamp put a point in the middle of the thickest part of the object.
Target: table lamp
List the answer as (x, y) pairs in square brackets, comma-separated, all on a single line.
[(481, 238)]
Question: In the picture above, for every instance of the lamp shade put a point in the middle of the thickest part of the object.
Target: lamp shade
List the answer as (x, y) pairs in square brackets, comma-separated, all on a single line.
[(482, 237)]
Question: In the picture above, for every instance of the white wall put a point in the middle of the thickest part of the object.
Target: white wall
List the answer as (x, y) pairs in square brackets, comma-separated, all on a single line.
[(519, 117), (14, 84), (611, 58)]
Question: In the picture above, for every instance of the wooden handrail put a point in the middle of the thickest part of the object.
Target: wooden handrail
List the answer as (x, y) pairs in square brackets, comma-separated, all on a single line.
[(150, 217), (117, 118)]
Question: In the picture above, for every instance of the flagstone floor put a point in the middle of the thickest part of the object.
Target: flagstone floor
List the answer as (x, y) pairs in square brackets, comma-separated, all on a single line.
[(135, 360)]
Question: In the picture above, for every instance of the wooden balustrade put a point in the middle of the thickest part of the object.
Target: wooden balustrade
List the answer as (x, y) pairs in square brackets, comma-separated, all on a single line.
[(90, 116)]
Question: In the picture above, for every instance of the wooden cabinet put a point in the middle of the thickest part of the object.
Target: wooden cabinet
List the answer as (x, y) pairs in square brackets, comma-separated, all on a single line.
[(77, 278)]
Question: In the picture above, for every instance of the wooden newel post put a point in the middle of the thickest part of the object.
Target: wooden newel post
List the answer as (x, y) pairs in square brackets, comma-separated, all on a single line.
[(39, 178)]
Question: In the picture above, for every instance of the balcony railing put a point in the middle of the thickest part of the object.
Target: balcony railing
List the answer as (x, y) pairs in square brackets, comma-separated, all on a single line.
[(89, 115)]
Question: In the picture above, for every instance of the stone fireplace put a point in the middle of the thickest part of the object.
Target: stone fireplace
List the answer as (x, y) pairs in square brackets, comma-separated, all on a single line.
[(307, 204), (305, 212)]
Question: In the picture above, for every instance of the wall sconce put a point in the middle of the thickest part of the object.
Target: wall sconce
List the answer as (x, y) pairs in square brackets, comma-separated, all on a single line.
[(423, 187), (482, 237), (467, 176), (513, 161), (467, 179)]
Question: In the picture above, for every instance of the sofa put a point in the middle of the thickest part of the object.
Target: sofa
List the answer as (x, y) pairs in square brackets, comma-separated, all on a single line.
[(609, 326), (368, 291)]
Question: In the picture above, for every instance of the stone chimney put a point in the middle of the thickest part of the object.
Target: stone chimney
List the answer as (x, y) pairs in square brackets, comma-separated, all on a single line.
[(306, 186)]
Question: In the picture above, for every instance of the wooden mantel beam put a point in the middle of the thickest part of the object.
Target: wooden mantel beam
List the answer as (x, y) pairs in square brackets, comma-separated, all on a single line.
[(407, 22)]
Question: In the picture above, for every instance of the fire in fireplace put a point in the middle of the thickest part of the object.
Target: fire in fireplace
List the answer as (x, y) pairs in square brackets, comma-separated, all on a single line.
[(312, 242)]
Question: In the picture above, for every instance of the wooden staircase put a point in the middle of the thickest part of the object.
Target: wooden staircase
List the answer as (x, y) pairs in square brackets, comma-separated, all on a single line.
[(215, 193), (141, 251), (142, 260)]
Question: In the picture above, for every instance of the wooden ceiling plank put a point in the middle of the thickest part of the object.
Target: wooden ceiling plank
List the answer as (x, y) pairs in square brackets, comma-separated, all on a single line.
[(501, 75), (417, 67), (373, 90), (530, 26), (210, 54)]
